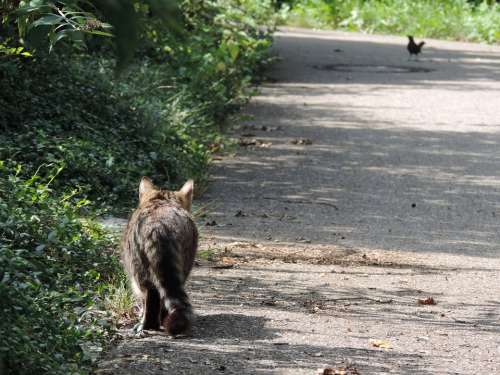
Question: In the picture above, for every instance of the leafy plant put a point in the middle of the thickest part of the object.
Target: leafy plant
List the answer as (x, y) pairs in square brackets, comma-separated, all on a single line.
[(53, 270), (66, 19), (460, 19)]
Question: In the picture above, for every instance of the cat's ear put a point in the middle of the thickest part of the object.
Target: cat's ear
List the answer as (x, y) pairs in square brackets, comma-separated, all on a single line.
[(185, 194), (145, 186)]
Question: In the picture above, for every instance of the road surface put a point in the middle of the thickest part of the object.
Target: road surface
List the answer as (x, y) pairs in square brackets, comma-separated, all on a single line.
[(365, 188)]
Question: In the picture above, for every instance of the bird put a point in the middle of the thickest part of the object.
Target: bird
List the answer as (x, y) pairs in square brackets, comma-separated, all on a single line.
[(414, 48)]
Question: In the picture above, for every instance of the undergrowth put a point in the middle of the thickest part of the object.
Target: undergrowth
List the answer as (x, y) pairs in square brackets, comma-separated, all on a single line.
[(75, 139), (55, 268), (477, 21)]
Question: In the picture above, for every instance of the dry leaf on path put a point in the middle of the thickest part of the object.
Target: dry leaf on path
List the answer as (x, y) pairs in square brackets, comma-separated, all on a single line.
[(426, 301), (227, 260), (380, 344), (338, 371)]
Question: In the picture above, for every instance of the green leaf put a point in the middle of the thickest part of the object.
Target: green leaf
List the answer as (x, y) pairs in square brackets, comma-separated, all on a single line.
[(234, 50), (51, 19), (56, 37), (102, 33)]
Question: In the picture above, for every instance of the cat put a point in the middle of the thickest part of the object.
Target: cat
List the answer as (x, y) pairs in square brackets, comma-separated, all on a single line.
[(159, 246)]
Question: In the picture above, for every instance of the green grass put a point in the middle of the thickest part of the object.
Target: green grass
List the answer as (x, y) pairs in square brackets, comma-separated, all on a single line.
[(209, 254), (120, 301), (445, 19), (75, 140)]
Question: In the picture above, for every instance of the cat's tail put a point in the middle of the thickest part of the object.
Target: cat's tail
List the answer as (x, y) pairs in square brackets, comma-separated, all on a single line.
[(169, 278)]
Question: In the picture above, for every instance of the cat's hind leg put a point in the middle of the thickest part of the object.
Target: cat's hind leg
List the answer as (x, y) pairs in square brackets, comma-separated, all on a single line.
[(151, 311)]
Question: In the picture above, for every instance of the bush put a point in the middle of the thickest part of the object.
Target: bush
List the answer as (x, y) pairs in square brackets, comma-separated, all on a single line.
[(54, 269), (74, 116)]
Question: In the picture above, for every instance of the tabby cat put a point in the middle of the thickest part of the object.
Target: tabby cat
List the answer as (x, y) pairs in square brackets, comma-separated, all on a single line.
[(159, 246)]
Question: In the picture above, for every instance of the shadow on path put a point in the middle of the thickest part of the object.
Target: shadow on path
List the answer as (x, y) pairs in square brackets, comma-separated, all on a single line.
[(397, 161)]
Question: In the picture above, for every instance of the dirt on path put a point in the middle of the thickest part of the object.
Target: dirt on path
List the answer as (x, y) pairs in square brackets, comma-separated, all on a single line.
[(357, 225)]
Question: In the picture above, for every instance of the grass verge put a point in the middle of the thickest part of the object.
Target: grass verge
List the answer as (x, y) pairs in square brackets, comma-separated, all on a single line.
[(477, 21)]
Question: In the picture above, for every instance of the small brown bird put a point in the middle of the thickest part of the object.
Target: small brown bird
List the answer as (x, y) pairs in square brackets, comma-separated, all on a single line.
[(414, 48)]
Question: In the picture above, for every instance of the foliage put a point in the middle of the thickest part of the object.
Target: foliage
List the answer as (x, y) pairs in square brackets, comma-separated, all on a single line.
[(72, 116), (37, 20), (453, 19), (160, 118), (40, 24), (54, 270), (75, 139)]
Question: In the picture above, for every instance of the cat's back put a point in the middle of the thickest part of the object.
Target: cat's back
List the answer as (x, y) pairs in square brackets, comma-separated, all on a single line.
[(162, 218)]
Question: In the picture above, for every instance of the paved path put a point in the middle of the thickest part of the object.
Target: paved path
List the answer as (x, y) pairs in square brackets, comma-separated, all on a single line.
[(367, 183)]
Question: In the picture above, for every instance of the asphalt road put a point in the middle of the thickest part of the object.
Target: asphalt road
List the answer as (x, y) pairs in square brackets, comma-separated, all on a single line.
[(365, 183)]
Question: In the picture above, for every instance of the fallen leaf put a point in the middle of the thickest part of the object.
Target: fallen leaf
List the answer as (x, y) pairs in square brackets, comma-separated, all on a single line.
[(227, 260), (380, 344), (426, 301)]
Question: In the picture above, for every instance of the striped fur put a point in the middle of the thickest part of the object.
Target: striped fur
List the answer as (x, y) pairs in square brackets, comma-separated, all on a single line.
[(159, 246)]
